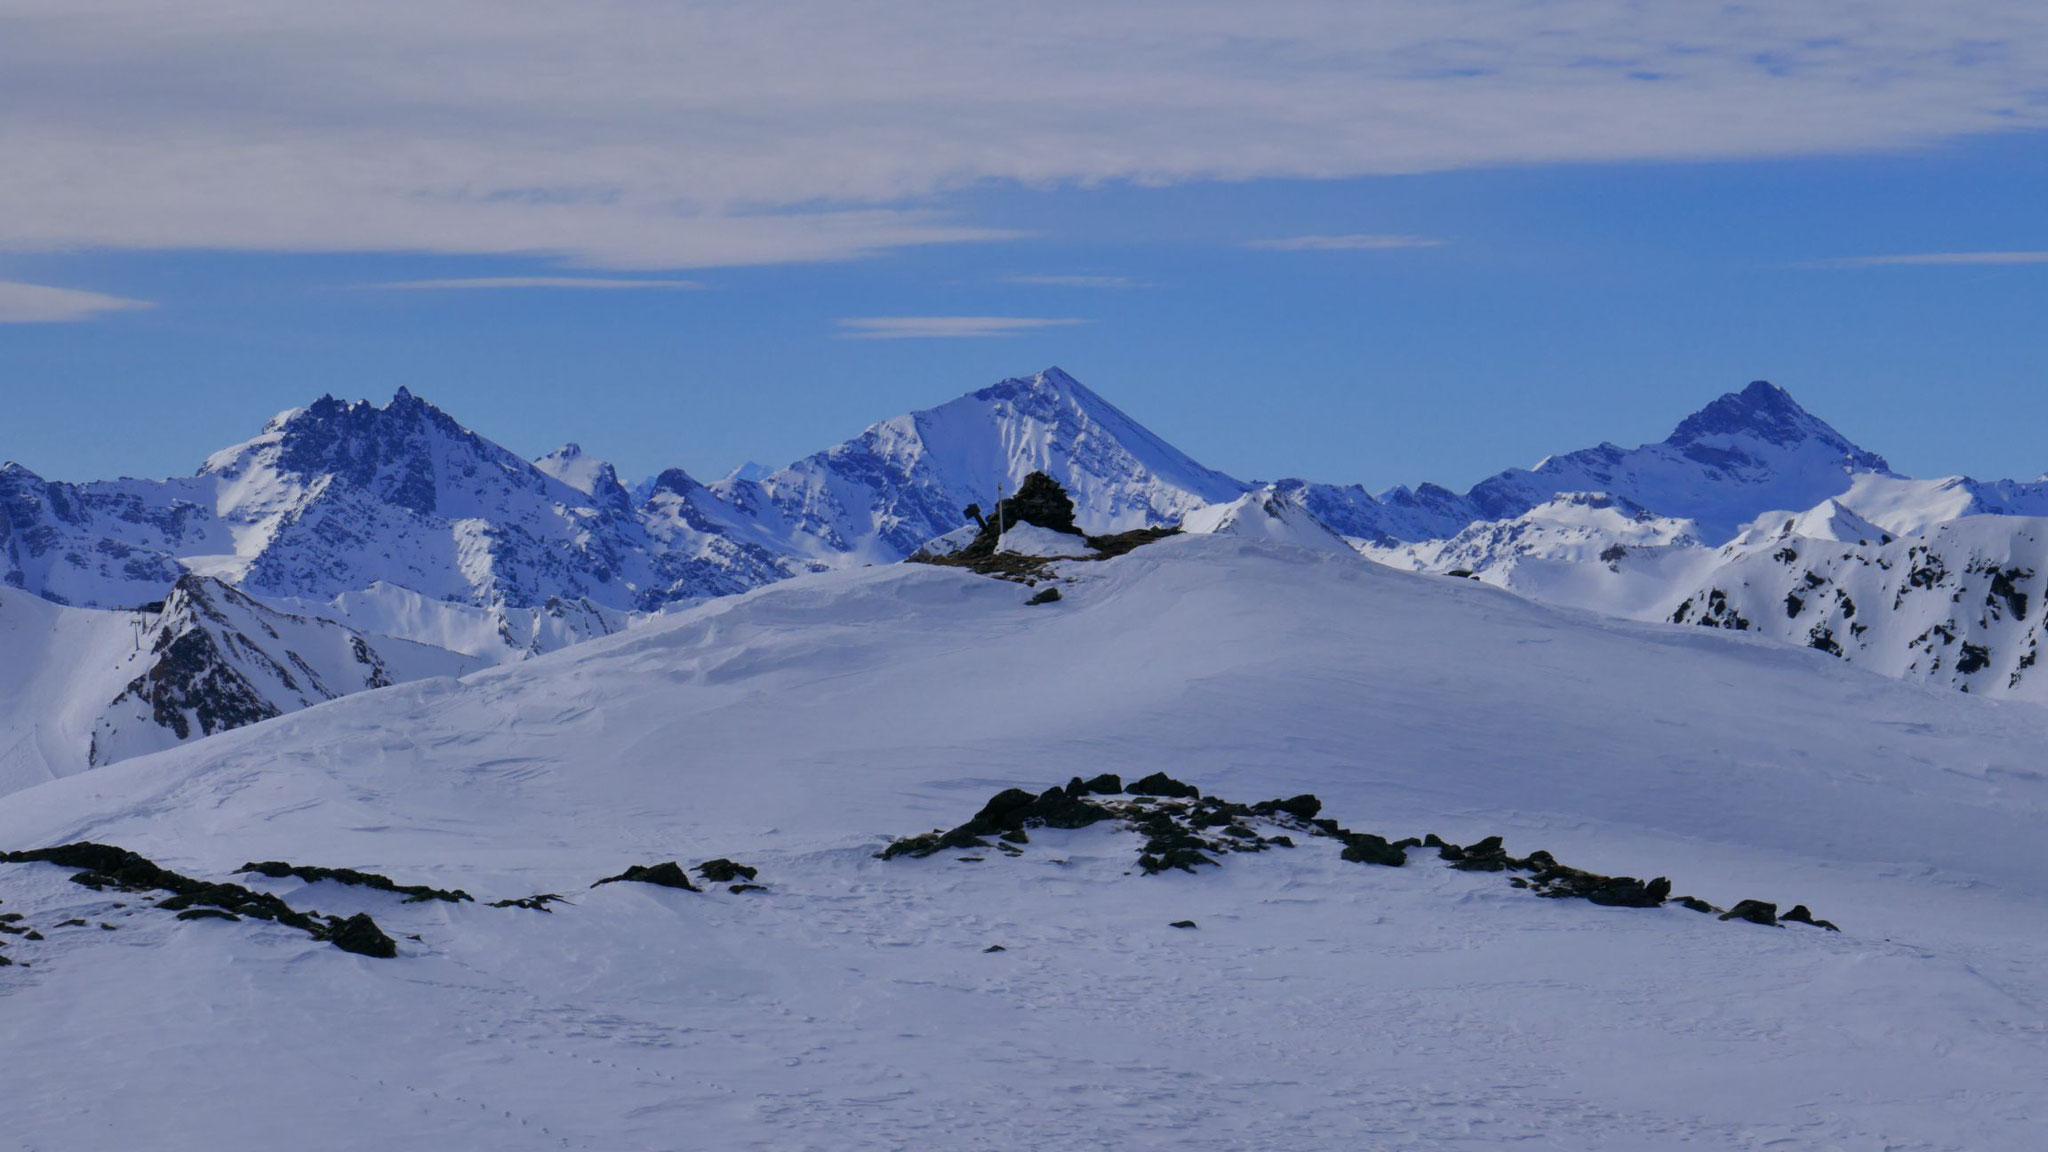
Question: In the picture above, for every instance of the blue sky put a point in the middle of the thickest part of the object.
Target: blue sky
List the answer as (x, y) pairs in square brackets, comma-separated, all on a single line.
[(1349, 242)]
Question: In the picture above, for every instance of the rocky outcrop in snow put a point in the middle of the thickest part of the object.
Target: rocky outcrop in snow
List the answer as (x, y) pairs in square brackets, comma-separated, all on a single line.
[(214, 659)]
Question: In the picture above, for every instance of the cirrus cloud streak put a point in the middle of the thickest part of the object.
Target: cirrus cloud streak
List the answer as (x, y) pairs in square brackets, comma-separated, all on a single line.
[(946, 327), (1935, 260), (41, 304)]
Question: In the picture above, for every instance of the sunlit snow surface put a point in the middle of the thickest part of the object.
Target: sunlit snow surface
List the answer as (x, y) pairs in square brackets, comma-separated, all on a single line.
[(1318, 1004)]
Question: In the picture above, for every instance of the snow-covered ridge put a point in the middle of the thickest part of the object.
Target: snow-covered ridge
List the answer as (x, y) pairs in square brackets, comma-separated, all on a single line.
[(87, 687)]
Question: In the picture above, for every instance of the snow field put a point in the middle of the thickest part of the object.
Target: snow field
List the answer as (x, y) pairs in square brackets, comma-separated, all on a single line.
[(1317, 1004)]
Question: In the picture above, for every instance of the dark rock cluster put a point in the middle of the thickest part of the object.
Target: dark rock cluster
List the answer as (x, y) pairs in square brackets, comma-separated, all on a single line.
[(1040, 500), (538, 902), (1043, 501), (107, 867), (413, 893), (723, 871), (665, 875), (1184, 830), (672, 875)]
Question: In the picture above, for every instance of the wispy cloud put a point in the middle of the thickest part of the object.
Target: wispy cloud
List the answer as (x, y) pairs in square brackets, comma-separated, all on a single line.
[(1354, 242), (576, 283), (41, 304), (1077, 281), (945, 327), (695, 135), (1932, 259)]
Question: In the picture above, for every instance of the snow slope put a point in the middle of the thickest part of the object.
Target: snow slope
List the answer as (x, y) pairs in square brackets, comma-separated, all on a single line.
[(83, 687), (63, 667), (1319, 1004)]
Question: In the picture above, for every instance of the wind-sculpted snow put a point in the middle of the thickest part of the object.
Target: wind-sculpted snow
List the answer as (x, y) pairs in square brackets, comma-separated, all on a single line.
[(945, 1002)]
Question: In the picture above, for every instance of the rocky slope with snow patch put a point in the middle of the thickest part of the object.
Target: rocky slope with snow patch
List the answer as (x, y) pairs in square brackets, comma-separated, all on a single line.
[(1960, 605), (89, 687), (1572, 528)]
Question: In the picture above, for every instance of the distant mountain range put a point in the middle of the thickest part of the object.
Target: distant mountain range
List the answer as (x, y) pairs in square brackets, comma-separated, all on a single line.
[(397, 532)]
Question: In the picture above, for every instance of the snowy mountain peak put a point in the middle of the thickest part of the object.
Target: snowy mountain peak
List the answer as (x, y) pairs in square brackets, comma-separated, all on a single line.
[(677, 481), (906, 480), (1767, 413), (586, 474), (1828, 520)]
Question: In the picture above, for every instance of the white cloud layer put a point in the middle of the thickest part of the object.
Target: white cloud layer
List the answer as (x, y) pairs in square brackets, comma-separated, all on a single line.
[(1356, 242), (573, 283), (41, 304), (697, 133), (1935, 259), (945, 327)]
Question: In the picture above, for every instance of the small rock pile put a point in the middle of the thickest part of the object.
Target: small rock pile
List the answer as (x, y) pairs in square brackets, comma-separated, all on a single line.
[(671, 875)]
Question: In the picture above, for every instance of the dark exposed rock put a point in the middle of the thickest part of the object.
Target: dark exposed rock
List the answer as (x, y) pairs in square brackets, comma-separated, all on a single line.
[(666, 875), (994, 948), (1039, 500), (1366, 848), (1302, 807), (723, 871), (1045, 595), (1181, 831), (1057, 808), (920, 846), (1184, 857), (1754, 911), (413, 893), (1160, 784), (738, 889), (74, 922), (359, 934), (1107, 784), (1000, 810), (1801, 915), (537, 902), (107, 866), (1610, 891), (207, 914), (1183, 924)]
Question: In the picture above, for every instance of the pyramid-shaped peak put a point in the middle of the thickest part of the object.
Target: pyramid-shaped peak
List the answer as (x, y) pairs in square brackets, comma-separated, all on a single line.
[(1052, 383), (1763, 411)]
